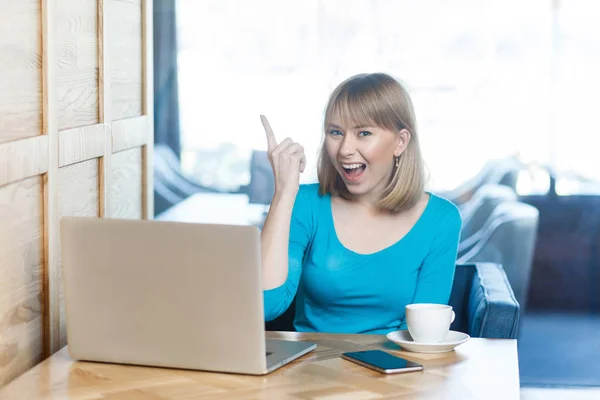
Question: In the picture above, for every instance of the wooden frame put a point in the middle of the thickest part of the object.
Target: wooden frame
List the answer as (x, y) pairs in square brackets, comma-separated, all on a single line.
[(51, 215), (148, 108), (104, 105)]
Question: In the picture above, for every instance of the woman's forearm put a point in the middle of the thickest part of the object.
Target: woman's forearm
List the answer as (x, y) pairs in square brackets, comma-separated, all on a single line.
[(275, 239), (288, 161)]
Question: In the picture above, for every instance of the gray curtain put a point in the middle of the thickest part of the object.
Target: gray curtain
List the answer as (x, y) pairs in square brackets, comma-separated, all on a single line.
[(166, 96)]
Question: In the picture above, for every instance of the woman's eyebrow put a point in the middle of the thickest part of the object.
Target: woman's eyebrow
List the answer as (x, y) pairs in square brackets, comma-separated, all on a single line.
[(363, 126), (356, 127)]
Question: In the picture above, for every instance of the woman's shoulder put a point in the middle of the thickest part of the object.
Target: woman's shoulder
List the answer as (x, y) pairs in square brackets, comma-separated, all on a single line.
[(444, 211), (309, 192), (309, 208), (309, 199)]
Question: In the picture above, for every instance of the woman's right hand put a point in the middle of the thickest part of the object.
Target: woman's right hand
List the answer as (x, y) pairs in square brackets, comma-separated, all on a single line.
[(287, 160)]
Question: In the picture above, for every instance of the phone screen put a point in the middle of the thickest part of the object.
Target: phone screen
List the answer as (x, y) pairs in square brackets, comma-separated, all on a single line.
[(382, 360)]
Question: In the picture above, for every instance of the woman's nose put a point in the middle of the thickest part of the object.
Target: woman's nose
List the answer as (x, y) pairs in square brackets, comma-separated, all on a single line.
[(348, 146)]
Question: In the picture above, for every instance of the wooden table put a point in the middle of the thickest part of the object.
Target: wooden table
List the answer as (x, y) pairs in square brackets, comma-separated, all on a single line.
[(478, 369)]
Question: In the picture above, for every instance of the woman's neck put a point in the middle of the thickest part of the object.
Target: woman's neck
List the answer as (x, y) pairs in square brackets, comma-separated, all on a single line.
[(363, 204)]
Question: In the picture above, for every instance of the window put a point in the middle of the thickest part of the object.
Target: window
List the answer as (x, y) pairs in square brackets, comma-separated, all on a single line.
[(488, 78)]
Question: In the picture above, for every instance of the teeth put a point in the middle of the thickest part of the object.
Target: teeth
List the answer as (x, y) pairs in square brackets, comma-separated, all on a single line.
[(352, 166)]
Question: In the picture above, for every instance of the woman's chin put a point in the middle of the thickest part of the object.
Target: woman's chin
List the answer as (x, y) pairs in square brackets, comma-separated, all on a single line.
[(357, 188), (361, 188)]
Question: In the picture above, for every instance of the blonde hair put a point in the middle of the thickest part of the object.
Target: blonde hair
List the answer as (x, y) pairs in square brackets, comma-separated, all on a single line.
[(376, 99)]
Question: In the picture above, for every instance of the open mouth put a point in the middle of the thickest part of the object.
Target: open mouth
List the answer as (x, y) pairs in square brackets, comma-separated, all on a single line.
[(354, 171)]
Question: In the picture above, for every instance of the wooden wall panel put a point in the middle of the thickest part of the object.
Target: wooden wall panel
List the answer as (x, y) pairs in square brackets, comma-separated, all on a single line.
[(20, 69), (129, 133), (125, 192), (77, 57), (81, 144), (78, 195), (71, 71), (22, 159), (124, 46), (21, 282)]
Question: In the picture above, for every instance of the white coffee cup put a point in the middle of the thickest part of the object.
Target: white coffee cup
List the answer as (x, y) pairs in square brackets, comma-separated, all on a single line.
[(429, 323)]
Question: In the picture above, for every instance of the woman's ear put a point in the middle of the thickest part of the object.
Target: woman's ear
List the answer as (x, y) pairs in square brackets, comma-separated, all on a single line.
[(402, 139)]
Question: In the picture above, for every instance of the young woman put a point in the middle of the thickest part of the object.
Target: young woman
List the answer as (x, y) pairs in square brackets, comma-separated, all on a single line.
[(367, 240)]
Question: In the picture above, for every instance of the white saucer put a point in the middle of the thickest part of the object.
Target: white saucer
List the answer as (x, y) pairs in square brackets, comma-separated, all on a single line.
[(404, 340)]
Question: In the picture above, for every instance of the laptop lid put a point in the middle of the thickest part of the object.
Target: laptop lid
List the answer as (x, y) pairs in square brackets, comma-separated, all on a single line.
[(164, 294)]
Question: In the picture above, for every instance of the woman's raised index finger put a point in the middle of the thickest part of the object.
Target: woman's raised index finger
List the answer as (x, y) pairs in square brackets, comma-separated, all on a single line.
[(271, 141)]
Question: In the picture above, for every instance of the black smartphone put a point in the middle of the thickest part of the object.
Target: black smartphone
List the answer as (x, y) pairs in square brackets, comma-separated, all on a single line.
[(382, 361)]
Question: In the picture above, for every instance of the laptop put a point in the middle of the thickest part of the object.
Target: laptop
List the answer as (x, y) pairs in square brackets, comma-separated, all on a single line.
[(168, 294)]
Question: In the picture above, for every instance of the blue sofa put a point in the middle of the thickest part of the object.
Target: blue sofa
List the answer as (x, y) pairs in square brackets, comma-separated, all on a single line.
[(484, 302), (482, 299)]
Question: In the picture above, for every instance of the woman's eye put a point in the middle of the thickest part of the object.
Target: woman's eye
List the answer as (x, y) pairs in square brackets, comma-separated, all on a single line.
[(364, 133), (335, 132)]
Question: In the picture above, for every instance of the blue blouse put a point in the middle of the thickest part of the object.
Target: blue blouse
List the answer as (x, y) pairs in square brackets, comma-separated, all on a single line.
[(340, 291)]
